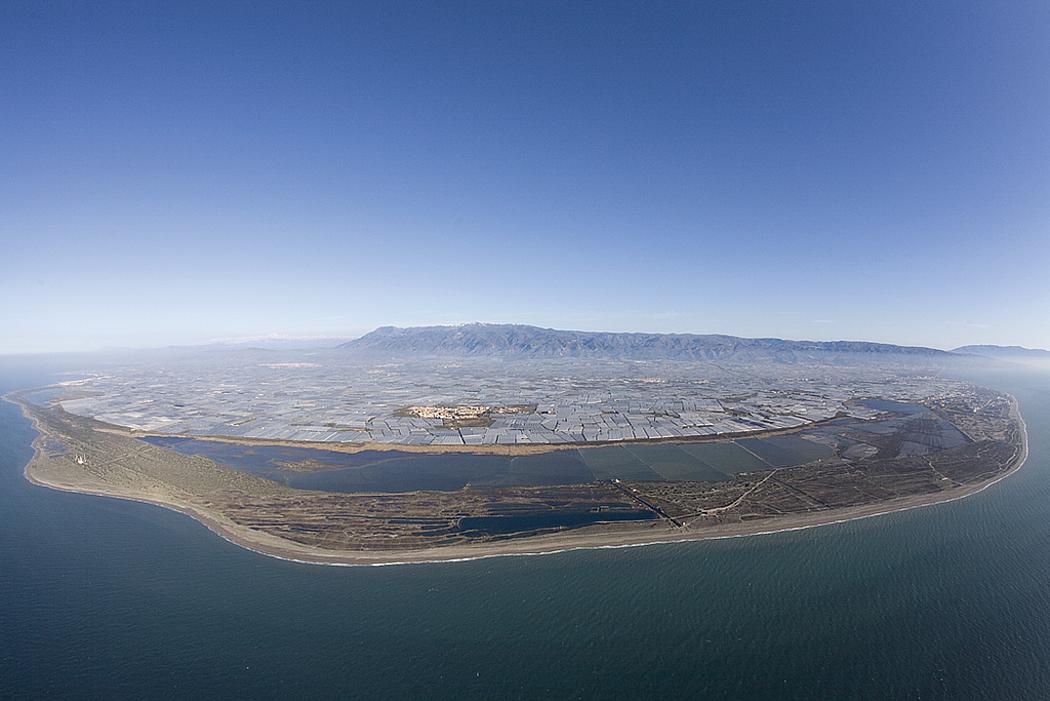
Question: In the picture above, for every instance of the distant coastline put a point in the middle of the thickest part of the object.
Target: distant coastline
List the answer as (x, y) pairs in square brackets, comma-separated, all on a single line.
[(625, 535)]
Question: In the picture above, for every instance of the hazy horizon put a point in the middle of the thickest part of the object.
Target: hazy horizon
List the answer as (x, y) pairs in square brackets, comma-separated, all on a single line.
[(313, 341), (181, 173)]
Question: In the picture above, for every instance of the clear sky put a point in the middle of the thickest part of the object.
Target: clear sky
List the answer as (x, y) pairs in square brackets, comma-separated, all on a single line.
[(181, 172)]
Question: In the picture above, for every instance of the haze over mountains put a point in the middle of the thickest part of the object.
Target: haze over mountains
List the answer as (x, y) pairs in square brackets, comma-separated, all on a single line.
[(515, 340), (1005, 352), (533, 342)]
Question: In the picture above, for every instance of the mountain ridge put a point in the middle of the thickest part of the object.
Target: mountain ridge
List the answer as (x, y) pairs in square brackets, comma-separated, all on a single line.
[(521, 340), (995, 351)]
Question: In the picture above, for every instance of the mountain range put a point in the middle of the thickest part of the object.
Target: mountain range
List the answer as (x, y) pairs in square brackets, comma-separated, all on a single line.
[(516, 340), (1005, 352)]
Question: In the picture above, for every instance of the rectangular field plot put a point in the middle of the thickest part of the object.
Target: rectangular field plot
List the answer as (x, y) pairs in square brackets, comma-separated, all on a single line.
[(558, 467), (785, 451), (405, 473), (616, 462), (672, 463), (726, 457)]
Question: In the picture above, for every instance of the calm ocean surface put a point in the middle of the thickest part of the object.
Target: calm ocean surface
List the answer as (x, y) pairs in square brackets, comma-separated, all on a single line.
[(107, 599)]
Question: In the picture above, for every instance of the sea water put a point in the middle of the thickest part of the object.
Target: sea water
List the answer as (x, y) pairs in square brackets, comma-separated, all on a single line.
[(101, 598)]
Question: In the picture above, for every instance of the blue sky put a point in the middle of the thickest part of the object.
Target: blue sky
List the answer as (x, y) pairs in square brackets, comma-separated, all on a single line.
[(175, 173)]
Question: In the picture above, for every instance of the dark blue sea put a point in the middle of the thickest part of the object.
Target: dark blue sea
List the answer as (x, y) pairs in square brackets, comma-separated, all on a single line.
[(106, 599)]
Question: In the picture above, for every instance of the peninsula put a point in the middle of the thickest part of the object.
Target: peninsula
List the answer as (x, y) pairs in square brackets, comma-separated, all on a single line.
[(894, 455)]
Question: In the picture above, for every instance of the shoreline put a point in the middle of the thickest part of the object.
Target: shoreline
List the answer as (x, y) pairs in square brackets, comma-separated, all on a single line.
[(545, 544)]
